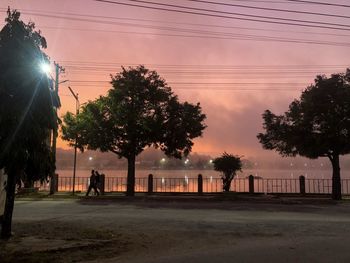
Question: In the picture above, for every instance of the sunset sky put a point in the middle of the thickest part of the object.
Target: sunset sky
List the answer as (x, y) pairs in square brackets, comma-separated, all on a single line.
[(235, 67)]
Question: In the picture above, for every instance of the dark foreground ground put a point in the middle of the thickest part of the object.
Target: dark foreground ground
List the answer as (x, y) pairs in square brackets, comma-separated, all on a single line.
[(179, 229)]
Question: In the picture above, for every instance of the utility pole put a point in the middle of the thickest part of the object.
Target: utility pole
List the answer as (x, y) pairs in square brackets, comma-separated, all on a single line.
[(77, 105), (57, 104)]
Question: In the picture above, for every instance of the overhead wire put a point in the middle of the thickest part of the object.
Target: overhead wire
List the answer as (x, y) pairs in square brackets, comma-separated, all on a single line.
[(201, 33), (269, 9), (259, 38), (191, 84), (222, 14), (256, 70), (318, 3), (38, 12)]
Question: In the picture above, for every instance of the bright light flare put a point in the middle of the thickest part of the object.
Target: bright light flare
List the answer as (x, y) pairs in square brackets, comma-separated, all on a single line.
[(45, 68)]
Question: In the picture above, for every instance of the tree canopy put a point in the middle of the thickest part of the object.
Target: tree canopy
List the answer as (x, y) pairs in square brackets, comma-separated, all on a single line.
[(139, 111), (316, 125), (26, 114), (229, 165)]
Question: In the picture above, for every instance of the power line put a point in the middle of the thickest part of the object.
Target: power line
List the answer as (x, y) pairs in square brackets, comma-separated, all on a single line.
[(230, 37), (286, 89), (247, 37), (227, 13), (188, 68), (259, 1), (204, 25), (318, 3), (230, 17), (202, 34), (234, 13), (269, 9), (38, 12), (89, 62), (202, 83)]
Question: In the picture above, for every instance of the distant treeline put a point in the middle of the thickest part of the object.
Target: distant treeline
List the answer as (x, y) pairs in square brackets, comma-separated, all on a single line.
[(154, 159)]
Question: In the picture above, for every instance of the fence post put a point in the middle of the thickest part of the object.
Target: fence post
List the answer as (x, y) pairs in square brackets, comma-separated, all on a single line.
[(302, 184), (102, 184), (150, 183), (55, 182), (200, 184), (251, 184)]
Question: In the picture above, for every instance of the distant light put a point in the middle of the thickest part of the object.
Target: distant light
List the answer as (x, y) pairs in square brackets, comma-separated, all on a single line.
[(162, 160), (90, 158), (210, 161), (187, 161), (45, 68)]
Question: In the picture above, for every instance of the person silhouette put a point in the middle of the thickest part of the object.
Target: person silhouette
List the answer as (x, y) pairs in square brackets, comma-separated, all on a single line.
[(98, 180), (93, 183)]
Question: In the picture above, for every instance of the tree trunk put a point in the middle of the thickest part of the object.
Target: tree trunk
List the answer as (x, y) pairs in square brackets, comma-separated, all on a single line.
[(10, 200), (52, 175), (336, 183), (130, 190), (226, 180)]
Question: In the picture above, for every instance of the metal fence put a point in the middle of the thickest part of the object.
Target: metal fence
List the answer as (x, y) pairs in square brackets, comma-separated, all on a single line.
[(209, 185)]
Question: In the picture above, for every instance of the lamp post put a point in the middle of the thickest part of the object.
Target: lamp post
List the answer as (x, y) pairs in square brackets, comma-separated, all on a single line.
[(75, 95), (57, 104), (45, 67)]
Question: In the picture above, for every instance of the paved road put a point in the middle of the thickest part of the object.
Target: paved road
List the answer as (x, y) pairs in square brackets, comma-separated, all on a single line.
[(190, 231)]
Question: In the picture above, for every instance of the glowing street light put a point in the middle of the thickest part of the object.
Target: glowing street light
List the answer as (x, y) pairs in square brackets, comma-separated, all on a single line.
[(45, 68)]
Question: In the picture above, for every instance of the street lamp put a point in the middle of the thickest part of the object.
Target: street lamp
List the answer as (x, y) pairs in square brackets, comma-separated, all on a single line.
[(75, 95), (45, 67)]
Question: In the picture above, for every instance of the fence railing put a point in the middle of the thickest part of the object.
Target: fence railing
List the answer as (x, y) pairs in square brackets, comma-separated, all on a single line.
[(151, 184)]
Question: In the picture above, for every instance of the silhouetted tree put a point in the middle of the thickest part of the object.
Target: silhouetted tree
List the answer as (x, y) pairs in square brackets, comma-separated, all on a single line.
[(26, 115), (139, 111), (316, 125), (229, 165)]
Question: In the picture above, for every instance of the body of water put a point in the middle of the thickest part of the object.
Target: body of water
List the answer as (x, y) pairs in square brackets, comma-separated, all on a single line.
[(266, 174)]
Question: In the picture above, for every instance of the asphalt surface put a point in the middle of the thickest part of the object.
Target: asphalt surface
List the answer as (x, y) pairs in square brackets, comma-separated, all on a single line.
[(186, 230)]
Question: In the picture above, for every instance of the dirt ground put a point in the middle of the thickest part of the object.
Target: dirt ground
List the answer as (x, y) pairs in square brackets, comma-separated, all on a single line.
[(178, 229)]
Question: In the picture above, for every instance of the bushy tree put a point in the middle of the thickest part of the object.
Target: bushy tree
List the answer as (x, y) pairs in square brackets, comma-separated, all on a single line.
[(316, 125), (26, 114), (229, 165), (139, 111)]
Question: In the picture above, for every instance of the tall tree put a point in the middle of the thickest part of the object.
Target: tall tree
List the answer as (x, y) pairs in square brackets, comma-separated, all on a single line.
[(26, 115), (316, 125), (229, 165), (138, 112)]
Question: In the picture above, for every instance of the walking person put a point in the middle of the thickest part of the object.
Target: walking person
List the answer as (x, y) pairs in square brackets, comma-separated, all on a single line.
[(93, 183), (98, 180)]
